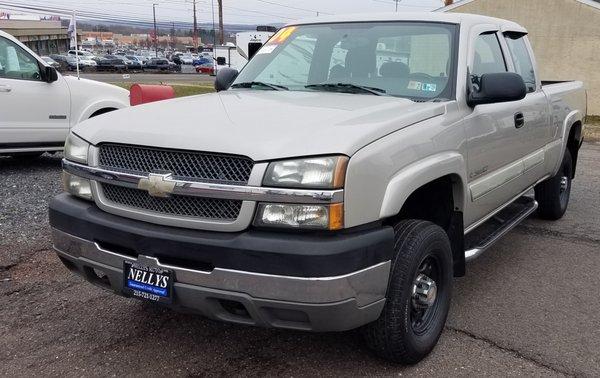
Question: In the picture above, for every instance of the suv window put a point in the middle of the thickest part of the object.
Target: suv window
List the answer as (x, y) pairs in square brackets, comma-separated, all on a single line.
[(521, 59), (488, 55), (16, 63)]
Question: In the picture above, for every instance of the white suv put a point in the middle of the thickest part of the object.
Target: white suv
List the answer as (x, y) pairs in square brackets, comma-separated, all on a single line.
[(39, 106)]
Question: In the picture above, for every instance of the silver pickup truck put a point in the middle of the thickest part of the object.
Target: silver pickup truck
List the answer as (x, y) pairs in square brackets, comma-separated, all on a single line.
[(341, 180)]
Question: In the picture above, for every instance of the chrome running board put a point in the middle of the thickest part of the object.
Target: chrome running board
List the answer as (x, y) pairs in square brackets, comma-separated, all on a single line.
[(489, 232)]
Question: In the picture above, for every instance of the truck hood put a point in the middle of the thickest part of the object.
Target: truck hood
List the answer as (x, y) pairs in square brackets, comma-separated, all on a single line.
[(263, 125)]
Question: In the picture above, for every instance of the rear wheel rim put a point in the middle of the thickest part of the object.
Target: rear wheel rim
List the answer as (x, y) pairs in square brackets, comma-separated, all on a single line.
[(565, 186)]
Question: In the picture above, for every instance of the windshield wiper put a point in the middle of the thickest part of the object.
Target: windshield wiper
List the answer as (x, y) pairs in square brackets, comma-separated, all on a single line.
[(348, 86), (251, 84)]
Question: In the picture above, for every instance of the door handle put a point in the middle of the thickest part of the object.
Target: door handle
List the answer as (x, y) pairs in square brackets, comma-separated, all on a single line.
[(5, 88), (519, 120)]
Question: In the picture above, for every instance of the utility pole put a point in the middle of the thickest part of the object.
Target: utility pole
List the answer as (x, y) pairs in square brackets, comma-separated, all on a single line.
[(155, 31), (221, 31), (195, 28), (173, 35), (212, 2), (397, 1)]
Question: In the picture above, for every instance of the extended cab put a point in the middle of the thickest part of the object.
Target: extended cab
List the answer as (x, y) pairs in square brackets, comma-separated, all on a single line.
[(341, 180), (39, 105)]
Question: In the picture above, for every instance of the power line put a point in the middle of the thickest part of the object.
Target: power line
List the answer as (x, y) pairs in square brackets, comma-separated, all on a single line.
[(292, 7)]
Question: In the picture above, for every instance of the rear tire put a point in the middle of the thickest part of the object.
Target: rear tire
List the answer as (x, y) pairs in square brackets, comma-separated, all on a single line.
[(553, 194), (408, 328)]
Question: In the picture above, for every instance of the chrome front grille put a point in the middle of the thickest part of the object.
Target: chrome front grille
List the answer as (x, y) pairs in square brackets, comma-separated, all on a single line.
[(180, 206), (183, 165)]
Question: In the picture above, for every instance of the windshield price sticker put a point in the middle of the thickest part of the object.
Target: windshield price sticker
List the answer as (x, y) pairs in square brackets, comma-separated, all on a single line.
[(267, 49)]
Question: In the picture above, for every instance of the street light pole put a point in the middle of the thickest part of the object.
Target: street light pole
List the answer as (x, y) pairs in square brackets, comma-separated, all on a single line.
[(155, 31)]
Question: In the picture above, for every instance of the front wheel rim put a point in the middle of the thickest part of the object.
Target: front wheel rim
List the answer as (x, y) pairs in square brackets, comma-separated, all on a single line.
[(425, 296)]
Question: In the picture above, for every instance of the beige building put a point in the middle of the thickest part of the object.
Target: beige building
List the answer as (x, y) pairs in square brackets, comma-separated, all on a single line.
[(43, 37), (565, 35)]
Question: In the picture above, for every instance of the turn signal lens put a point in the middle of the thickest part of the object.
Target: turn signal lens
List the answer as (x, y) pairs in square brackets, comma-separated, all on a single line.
[(321, 217), (77, 186)]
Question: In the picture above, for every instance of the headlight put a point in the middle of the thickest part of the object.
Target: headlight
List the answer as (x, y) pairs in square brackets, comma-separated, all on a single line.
[(76, 149), (323, 217), (318, 173), (77, 186)]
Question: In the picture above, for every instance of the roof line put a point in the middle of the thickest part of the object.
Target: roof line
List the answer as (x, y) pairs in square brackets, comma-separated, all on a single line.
[(592, 3)]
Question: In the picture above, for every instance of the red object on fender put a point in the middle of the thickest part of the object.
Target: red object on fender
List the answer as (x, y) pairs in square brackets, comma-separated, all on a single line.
[(143, 93)]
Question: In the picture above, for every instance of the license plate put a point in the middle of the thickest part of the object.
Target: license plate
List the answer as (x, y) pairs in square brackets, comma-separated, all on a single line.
[(146, 282)]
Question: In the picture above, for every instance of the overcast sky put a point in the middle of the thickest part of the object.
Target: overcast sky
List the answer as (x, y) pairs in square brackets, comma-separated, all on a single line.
[(235, 11)]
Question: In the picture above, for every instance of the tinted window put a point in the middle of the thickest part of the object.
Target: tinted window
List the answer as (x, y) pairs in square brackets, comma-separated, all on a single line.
[(521, 59), (488, 55), (16, 63)]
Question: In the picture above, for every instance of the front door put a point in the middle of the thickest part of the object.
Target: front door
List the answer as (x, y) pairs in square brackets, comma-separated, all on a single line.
[(494, 137), (33, 113)]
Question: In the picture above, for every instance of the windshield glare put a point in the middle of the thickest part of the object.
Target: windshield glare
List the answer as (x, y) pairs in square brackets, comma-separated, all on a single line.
[(406, 59)]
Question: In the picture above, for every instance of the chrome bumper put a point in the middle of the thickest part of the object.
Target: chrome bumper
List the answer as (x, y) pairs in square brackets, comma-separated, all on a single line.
[(316, 304)]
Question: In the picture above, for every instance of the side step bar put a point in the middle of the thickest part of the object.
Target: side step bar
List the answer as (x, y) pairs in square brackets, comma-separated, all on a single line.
[(484, 236)]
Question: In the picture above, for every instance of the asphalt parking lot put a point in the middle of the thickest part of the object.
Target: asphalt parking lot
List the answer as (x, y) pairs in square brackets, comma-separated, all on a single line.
[(529, 306)]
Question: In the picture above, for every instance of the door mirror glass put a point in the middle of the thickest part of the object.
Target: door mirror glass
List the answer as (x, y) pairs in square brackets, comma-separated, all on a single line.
[(225, 78), (50, 74), (496, 87)]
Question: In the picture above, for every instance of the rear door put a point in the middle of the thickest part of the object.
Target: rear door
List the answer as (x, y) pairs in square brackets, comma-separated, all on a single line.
[(537, 130), (33, 113)]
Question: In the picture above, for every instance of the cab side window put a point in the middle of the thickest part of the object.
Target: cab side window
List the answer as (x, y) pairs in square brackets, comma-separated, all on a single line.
[(16, 63), (488, 55), (521, 59)]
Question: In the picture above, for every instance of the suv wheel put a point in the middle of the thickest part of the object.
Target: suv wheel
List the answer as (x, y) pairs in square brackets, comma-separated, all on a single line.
[(26, 156), (418, 294), (553, 194)]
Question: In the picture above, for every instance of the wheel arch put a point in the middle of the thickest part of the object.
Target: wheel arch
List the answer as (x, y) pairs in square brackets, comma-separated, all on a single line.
[(572, 137), (102, 111), (93, 109), (574, 141), (447, 165), (435, 190)]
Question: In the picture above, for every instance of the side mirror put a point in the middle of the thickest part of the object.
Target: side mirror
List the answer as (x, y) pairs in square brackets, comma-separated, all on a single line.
[(497, 87), (225, 78), (50, 74), (221, 61)]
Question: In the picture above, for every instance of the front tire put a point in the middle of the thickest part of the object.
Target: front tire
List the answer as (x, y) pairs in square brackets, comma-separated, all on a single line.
[(26, 156), (418, 294), (553, 194)]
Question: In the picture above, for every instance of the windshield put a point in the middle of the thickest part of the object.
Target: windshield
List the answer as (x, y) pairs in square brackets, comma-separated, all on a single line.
[(414, 60)]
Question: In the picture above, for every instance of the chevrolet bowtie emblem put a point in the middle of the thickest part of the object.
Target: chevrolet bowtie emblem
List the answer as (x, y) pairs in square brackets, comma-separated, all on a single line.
[(157, 185)]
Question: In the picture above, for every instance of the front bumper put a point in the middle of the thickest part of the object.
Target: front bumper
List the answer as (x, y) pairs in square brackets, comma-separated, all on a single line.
[(279, 281)]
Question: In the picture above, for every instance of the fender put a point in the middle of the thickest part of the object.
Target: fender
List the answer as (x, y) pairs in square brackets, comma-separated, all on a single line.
[(417, 174), (98, 105), (572, 118)]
